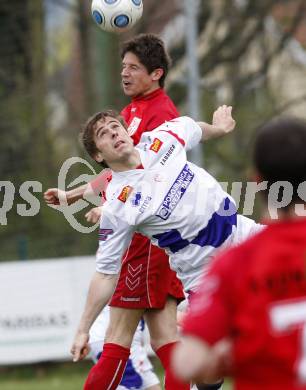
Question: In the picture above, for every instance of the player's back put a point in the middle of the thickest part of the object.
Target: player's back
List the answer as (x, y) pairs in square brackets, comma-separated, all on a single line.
[(268, 305)]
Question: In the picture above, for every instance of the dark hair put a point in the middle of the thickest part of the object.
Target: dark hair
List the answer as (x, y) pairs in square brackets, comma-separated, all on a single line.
[(279, 152), (151, 52), (88, 131)]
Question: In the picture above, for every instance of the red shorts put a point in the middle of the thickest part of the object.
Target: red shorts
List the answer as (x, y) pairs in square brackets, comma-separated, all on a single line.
[(146, 279)]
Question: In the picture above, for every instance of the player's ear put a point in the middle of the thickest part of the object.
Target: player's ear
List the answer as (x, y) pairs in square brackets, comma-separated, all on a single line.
[(157, 74), (98, 157)]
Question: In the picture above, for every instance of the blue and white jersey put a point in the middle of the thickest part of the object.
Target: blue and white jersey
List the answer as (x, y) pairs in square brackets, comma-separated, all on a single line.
[(178, 205)]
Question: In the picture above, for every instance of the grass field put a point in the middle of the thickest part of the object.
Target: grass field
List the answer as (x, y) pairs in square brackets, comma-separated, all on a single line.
[(49, 376)]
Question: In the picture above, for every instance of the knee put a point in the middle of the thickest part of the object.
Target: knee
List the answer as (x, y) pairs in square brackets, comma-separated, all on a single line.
[(155, 343), (119, 334), (110, 333), (162, 334), (163, 337)]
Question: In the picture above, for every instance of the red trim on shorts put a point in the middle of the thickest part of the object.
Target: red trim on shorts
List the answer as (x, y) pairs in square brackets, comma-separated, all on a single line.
[(147, 276)]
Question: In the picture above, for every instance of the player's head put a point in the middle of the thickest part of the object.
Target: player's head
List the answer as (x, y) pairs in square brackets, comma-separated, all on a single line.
[(105, 138), (145, 63), (279, 154)]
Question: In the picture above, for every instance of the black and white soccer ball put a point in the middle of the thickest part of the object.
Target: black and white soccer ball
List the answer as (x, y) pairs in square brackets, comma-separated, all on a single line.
[(116, 15)]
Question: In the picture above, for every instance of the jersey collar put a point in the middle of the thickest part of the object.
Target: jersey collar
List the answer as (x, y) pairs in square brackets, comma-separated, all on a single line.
[(149, 96)]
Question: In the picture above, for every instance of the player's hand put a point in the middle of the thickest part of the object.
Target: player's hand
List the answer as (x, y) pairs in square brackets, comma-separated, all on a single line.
[(80, 347), (223, 351), (223, 120), (55, 196), (94, 215)]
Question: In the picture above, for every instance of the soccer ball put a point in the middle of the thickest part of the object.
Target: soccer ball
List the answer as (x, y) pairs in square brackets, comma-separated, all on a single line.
[(116, 15)]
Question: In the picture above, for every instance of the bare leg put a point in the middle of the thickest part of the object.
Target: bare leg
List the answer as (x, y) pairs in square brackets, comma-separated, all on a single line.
[(162, 324), (122, 325), (108, 372)]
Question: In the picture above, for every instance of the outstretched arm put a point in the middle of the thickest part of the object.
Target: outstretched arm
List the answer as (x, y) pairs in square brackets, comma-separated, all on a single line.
[(222, 124), (114, 236), (55, 196), (100, 291)]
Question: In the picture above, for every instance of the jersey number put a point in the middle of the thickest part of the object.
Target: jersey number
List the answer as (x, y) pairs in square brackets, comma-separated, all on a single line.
[(291, 316)]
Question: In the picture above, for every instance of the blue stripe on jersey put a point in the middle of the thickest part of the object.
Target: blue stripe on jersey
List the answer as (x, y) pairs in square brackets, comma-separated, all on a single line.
[(172, 240), (218, 229)]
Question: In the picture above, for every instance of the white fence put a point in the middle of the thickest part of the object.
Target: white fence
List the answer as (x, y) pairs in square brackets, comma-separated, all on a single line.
[(40, 306)]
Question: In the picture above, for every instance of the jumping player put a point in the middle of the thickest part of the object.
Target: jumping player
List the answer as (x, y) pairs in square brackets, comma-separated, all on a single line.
[(146, 281), (149, 183), (250, 308)]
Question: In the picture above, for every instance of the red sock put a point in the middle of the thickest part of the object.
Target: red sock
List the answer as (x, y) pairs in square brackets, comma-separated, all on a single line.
[(171, 382), (108, 372)]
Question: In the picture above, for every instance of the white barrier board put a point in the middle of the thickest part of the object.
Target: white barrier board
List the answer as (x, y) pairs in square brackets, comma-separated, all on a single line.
[(40, 305)]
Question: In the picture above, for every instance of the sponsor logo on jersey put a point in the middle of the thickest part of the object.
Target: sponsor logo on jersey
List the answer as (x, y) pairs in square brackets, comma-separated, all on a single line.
[(136, 199), (145, 204), (156, 145), (104, 233), (175, 193), (167, 155), (133, 126), (127, 299), (125, 193)]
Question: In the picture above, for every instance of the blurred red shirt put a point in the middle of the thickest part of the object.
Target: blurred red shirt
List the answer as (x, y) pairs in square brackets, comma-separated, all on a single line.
[(255, 294)]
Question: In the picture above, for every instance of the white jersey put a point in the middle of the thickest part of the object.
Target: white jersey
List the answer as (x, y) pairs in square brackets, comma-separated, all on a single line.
[(178, 205)]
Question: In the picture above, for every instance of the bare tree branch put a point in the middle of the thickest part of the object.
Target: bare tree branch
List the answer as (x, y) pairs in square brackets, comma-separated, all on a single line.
[(285, 37), (234, 40)]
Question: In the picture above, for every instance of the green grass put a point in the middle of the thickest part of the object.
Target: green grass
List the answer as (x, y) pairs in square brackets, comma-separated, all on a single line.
[(63, 376), (49, 376)]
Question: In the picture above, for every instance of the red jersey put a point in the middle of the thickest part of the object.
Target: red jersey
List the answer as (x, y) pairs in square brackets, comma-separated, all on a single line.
[(256, 295), (147, 112)]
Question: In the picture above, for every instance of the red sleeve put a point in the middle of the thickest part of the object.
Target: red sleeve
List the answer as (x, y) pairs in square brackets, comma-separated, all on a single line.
[(153, 114), (208, 317), (157, 120), (159, 115), (125, 113), (100, 183)]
